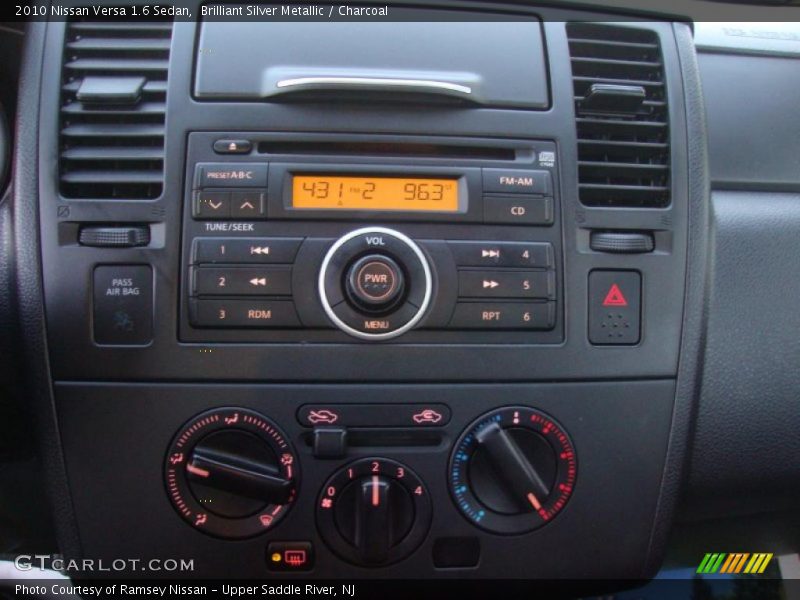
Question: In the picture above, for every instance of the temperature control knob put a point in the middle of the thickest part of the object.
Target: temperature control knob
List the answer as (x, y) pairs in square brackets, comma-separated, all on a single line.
[(373, 512), (512, 470), (231, 472)]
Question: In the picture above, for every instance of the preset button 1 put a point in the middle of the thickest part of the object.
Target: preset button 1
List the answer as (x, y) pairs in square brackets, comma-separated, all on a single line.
[(246, 250)]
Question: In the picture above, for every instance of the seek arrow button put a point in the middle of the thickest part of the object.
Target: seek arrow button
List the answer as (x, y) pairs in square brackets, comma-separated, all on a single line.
[(247, 205), (212, 205)]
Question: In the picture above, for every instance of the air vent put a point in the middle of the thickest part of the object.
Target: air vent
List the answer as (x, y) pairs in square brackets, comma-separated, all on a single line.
[(622, 125), (113, 104)]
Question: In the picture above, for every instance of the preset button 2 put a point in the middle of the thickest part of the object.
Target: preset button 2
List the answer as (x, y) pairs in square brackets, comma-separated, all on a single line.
[(248, 281)]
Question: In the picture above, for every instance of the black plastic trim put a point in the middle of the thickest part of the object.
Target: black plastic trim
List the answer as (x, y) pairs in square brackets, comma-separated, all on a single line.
[(30, 292), (690, 364)]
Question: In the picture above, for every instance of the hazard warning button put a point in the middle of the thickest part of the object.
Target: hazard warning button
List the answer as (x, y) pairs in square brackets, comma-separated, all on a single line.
[(614, 307)]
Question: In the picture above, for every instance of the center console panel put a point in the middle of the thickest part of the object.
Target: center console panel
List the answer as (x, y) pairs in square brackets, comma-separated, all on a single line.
[(383, 334)]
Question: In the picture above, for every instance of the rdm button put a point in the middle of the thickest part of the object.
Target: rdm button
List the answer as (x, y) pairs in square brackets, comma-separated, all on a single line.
[(123, 304)]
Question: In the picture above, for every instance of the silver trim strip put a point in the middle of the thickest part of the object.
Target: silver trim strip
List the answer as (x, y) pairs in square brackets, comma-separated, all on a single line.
[(388, 84)]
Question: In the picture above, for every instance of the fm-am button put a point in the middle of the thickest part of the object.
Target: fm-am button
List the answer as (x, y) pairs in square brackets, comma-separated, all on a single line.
[(504, 315), (523, 181)]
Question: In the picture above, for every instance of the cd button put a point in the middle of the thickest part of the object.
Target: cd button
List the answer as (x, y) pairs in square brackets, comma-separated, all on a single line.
[(518, 210)]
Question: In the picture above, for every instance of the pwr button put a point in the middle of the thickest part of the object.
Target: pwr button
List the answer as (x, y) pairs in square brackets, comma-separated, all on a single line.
[(375, 281)]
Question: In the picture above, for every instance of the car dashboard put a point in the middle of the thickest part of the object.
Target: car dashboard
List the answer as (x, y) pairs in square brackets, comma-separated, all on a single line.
[(465, 291)]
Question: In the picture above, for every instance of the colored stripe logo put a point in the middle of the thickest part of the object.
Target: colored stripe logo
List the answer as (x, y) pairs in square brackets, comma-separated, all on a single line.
[(736, 562)]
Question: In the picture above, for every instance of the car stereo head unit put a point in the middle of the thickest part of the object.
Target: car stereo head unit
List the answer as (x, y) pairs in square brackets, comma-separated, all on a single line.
[(300, 238)]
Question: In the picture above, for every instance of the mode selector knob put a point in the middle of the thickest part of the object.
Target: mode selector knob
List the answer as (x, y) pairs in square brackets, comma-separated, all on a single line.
[(375, 282)]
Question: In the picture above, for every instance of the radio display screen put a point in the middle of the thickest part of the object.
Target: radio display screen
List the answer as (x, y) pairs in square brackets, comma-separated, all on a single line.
[(324, 192)]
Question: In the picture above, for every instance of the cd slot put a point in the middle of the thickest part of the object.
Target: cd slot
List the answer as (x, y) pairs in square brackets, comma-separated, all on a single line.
[(386, 149)]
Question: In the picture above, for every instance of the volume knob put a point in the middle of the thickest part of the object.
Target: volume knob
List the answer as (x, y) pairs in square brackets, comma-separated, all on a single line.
[(375, 283)]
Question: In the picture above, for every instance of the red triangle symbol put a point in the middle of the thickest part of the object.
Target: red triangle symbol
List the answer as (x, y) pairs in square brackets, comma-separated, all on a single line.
[(614, 297)]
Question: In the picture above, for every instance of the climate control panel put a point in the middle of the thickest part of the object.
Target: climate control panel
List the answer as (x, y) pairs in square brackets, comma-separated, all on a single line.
[(393, 480), (233, 473)]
